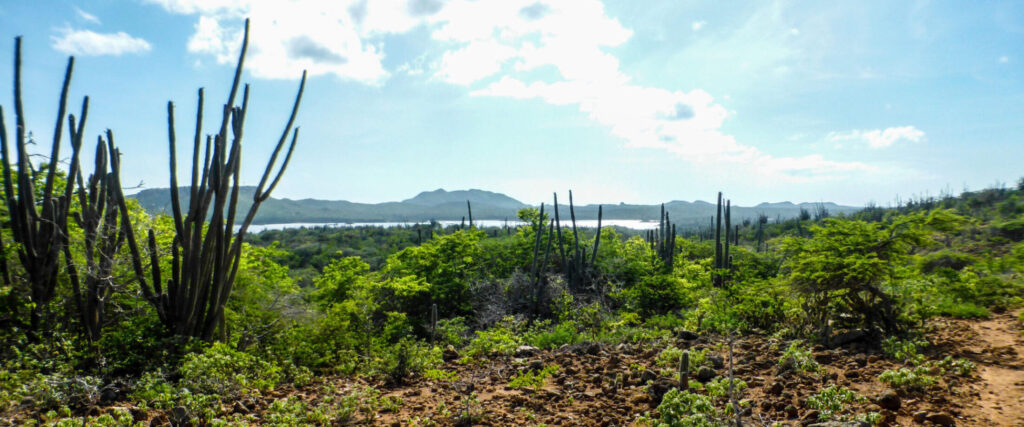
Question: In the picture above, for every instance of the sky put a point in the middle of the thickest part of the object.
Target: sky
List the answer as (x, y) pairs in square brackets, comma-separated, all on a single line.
[(621, 101)]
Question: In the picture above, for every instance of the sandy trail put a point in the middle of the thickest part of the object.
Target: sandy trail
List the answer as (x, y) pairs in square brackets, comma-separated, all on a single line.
[(1001, 367)]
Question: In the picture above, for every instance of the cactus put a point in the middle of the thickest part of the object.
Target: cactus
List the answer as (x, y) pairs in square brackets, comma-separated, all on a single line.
[(684, 370), (470, 209), (723, 261), (204, 264), (38, 226), (576, 267)]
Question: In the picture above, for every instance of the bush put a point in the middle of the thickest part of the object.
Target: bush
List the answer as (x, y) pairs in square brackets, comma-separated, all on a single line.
[(532, 378), (906, 379), (831, 401), (685, 409), (222, 371), (798, 358)]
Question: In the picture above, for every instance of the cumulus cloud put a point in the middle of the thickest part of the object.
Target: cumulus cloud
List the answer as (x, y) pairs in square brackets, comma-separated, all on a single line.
[(698, 25), (87, 17), (557, 52), (90, 43), (880, 138)]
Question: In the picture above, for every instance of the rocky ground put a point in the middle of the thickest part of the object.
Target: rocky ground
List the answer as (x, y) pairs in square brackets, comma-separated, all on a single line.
[(597, 385)]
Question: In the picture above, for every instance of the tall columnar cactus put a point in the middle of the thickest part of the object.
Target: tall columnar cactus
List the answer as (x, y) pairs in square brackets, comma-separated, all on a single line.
[(205, 259), (470, 209), (577, 269), (103, 233), (723, 261), (37, 221), (663, 240)]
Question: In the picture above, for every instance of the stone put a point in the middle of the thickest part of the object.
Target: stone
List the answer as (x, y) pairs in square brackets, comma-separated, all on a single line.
[(687, 335), (941, 419), (841, 424), (919, 416), (705, 374), (776, 388), (889, 400), (449, 354), (526, 351), (657, 389)]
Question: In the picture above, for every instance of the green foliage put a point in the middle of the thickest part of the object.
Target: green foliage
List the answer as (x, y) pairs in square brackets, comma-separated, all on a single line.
[(798, 358), (832, 400), (904, 351), (686, 409), (840, 271), (532, 378), (338, 280), (961, 367), (222, 371), (502, 339), (445, 266), (657, 294), (907, 379), (718, 388)]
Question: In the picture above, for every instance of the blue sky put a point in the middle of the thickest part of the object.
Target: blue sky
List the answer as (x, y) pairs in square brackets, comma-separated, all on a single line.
[(621, 101)]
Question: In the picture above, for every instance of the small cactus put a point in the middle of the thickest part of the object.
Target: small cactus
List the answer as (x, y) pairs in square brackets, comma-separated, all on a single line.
[(684, 370)]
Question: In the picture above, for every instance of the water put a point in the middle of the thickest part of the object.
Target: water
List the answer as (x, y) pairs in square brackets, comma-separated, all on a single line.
[(625, 223)]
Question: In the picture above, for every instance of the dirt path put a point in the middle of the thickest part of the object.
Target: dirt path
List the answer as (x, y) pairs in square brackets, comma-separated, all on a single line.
[(998, 354)]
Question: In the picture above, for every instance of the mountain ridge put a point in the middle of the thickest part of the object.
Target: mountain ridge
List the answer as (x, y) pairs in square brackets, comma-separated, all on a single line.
[(441, 204)]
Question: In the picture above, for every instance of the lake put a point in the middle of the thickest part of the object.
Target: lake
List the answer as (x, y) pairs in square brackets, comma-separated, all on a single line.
[(625, 223)]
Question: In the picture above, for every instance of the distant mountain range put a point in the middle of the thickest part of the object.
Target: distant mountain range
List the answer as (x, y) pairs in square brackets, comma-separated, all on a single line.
[(451, 205)]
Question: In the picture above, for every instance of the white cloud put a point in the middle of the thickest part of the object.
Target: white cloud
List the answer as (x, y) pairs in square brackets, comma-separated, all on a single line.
[(1004, 59), (90, 43), (880, 138), (500, 48), (87, 17), (474, 62)]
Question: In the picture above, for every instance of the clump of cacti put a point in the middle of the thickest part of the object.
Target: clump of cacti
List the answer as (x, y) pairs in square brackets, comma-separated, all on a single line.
[(723, 260), (663, 240), (578, 270)]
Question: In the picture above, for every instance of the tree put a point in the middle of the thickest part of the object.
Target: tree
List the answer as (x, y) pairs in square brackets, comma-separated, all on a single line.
[(841, 270)]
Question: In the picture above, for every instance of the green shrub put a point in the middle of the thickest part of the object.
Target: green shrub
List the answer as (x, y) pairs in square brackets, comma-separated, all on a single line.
[(832, 401), (961, 367), (685, 409), (798, 358), (532, 378), (907, 379), (904, 351), (222, 371), (719, 387)]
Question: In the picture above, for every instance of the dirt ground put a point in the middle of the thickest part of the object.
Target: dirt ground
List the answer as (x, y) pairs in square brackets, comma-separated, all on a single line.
[(599, 385)]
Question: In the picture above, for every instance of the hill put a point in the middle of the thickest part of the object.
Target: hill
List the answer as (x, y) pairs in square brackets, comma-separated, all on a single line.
[(451, 205)]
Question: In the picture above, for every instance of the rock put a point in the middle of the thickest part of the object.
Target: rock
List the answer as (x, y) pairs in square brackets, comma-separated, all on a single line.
[(138, 415), (919, 416), (526, 351), (941, 419), (705, 374), (657, 389), (861, 360), (647, 375), (239, 408), (791, 411), (687, 335), (811, 415), (180, 416), (716, 361), (841, 424), (108, 395), (872, 358), (889, 400), (823, 357), (449, 354), (776, 388), (638, 398), (536, 365), (852, 374)]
